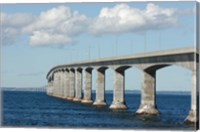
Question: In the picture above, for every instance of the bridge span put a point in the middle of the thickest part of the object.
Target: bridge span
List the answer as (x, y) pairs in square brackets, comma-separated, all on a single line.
[(65, 81)]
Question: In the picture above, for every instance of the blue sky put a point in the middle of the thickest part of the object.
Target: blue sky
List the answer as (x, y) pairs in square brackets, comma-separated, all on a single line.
[(37, 37)]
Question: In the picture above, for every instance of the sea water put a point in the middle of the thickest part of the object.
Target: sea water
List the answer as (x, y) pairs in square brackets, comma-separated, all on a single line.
[(37, 109)]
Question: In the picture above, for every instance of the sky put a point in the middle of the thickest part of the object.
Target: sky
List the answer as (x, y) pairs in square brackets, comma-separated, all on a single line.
[(37, 37)]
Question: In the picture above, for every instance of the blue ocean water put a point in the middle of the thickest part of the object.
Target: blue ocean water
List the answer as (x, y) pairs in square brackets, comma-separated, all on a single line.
[(36, 109)]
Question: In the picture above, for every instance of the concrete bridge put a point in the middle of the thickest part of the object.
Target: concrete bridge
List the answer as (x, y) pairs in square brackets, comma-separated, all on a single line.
[(65, 81)]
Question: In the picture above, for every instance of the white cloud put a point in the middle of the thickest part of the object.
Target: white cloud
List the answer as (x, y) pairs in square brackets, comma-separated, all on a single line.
[(56, 26), (12, 25), (51, 18), (16, 20), (42, 38), (61, 25), (123, 18)]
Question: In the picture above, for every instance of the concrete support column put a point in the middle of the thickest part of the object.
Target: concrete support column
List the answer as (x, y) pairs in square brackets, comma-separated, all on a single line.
[(59, 84), (78, 85), (66, 84), (51, 87), (72, 84), (100, 88), (193, 114), (62, 84), (118, 92), (56, 84), (148, 100), (48, 87), (87, 86)]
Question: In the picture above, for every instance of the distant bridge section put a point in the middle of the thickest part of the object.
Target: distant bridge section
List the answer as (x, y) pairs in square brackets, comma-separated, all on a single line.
[(65, 81)]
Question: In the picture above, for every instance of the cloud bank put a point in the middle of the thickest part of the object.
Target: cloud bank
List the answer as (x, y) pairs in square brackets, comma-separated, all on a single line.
[(61, 25), (12, 25), (123, 18), (56, 26)]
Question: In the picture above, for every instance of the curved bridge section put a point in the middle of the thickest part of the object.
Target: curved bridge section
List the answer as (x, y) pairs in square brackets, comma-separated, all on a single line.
[(65, 81)]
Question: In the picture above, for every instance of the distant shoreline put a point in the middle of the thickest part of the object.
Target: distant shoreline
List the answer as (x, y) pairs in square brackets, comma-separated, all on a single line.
[(157, 92), (43, 89), (23, 89)]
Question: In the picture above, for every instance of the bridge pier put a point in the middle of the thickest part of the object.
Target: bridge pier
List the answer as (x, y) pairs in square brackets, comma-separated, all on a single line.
[(118, 92), (62, 84), (65, 83), (53, 84), (100, 88), (72, 84), (56, 84), (148, 101), (87, 86), (67, 94), (192, 118), (51, 87), (78, 86)]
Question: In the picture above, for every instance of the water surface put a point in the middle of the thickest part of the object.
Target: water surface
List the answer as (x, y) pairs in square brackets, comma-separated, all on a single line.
[(36, 109)]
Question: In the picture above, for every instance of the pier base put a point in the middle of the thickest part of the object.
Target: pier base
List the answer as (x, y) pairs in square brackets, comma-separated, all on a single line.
[(191, 118), (86, 101), (147, 110), (77, 100), (70, 98), (118, 106), (99, 103)]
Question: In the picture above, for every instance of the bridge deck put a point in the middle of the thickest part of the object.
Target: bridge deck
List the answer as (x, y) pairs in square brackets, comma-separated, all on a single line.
[(161, 53)]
